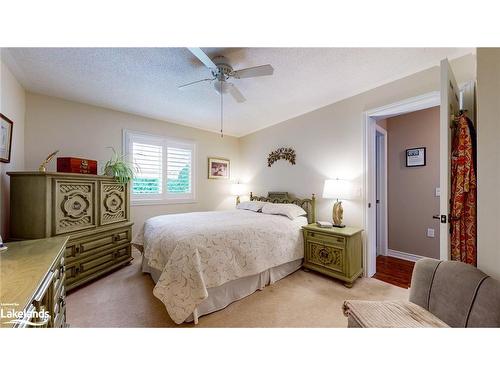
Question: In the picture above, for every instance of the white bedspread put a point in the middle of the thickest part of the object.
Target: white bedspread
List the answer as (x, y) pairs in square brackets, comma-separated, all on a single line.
[(200, 250)]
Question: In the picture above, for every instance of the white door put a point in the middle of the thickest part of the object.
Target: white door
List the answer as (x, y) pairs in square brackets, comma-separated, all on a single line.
[(449, 107), (381, 191), (377, 192)]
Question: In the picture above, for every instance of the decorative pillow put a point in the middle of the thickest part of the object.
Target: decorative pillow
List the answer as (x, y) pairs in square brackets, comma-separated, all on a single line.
[(251, 205), (289, 210)]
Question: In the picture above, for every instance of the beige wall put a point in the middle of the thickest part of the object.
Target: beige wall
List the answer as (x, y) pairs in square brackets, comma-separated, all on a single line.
[(488, 163), (12, 105), (411, 191), (85, 131), (329, 142)]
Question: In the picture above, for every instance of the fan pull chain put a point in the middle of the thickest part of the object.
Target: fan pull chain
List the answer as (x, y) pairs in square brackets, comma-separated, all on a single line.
[(221, 110)]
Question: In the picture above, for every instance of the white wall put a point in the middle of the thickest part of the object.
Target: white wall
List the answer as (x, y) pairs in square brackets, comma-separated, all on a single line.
[(329, 142), (12, 105), (488, 160), (85, 131)]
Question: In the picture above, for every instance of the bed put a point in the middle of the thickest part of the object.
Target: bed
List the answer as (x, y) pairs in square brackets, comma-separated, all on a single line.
[(203, 261)]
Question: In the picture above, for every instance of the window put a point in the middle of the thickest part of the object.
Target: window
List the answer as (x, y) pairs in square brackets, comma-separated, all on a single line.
[(164, 168)]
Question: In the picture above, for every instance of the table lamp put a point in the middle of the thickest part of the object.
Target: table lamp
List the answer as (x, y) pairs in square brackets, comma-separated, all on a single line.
[(337, 189), (237, 190)]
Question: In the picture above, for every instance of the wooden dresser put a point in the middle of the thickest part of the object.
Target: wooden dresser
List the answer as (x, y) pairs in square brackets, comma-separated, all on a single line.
[(32, 291), (336, 252), (93, 210)]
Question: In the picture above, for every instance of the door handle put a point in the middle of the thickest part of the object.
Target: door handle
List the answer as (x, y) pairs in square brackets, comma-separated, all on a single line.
[(437, 217)]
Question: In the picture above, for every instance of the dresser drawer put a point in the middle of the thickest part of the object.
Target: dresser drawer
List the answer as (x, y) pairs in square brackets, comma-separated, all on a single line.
[(113, 202), (332, 258), (96, 264), (333, 240), (74, 205), (88, 246)]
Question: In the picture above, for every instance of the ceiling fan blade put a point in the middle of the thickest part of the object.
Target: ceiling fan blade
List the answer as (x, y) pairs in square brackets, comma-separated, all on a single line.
[(202, 56), (235, 93), (256, 71), (195, 82)]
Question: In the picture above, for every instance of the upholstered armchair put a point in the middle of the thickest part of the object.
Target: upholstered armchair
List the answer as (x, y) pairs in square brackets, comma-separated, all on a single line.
[(442, 294)]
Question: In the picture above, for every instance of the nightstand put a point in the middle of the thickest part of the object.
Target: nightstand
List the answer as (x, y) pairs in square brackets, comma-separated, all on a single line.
[(336, 252)]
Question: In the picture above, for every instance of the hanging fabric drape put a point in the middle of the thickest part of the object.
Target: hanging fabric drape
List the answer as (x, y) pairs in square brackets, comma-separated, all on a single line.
[(463, 193)]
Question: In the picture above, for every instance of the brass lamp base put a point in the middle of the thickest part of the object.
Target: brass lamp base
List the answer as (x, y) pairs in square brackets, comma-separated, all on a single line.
[(338, 215)]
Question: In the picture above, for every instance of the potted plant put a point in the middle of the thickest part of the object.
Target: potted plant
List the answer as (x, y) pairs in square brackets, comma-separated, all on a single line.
[(119, 168)]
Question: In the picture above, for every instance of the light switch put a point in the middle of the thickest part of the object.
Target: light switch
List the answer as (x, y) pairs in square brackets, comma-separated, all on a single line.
[(438, 192), (430, 232)]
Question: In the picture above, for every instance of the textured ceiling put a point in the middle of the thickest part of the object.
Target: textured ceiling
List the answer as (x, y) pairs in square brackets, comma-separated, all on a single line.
[(144, 80)]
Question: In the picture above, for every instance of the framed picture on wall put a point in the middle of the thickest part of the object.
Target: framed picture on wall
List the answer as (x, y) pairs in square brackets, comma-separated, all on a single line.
[(218, 169), (415, 157), (6, 126)]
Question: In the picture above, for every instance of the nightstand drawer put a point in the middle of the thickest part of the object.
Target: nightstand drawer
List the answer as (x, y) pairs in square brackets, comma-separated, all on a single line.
[(327, 239), (326, 256)]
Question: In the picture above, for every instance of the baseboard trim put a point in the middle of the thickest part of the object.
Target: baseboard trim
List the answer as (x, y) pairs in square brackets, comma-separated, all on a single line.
[(403, 255)]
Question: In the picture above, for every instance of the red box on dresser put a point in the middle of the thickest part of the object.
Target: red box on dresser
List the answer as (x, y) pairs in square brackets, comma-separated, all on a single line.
[(76, 165)]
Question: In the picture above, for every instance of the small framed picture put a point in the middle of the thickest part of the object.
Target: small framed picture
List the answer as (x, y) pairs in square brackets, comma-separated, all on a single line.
[(415, 157), (6, 126), (218, 169)]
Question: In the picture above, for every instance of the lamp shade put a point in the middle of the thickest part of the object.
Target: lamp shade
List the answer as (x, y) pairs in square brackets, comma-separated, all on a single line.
[(337, 189), (238, 189)]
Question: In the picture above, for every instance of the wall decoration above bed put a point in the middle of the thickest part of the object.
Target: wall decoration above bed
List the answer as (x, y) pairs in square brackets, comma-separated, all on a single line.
[(285, 153), (218, 168)]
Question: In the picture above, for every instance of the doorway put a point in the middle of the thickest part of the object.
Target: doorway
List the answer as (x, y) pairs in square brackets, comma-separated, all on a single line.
[(376, 188), (406, 228)]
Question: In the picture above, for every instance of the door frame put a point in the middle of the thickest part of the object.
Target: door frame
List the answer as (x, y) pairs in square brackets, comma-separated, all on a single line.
[(370, 117)]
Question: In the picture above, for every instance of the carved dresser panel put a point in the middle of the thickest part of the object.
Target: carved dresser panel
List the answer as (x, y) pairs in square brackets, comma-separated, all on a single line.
[(113, 202), (93, 210), (74, 205)]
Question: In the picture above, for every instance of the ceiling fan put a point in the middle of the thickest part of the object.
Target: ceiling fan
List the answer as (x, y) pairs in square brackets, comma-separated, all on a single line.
[(222, 72)]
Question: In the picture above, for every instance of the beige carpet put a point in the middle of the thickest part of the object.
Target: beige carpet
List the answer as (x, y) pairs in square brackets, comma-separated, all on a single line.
[(304, 299)]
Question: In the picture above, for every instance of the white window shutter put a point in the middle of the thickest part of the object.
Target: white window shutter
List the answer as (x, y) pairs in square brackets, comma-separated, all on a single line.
[(179, 170), (148, 159)]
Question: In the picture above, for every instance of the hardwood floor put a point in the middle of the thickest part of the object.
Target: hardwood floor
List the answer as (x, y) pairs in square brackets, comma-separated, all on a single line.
[(394, 271)]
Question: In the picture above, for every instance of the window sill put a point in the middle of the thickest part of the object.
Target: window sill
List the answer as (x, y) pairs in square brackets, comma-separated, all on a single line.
[(155, 202)]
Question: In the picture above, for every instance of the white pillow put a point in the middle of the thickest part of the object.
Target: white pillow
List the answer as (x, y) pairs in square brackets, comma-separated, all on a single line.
[(289, 210), (251, 205)]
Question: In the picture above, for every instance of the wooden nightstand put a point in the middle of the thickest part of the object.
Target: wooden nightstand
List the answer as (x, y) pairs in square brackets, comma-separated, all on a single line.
[(336, 252)]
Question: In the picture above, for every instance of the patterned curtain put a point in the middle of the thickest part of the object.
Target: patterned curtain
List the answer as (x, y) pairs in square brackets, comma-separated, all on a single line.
[(463, 194)]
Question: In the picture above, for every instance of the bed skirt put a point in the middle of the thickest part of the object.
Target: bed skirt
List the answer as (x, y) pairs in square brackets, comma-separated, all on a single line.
[(221, 296)]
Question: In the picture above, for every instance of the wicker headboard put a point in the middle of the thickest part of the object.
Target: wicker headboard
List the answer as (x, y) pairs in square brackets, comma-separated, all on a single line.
[(308, 204)]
